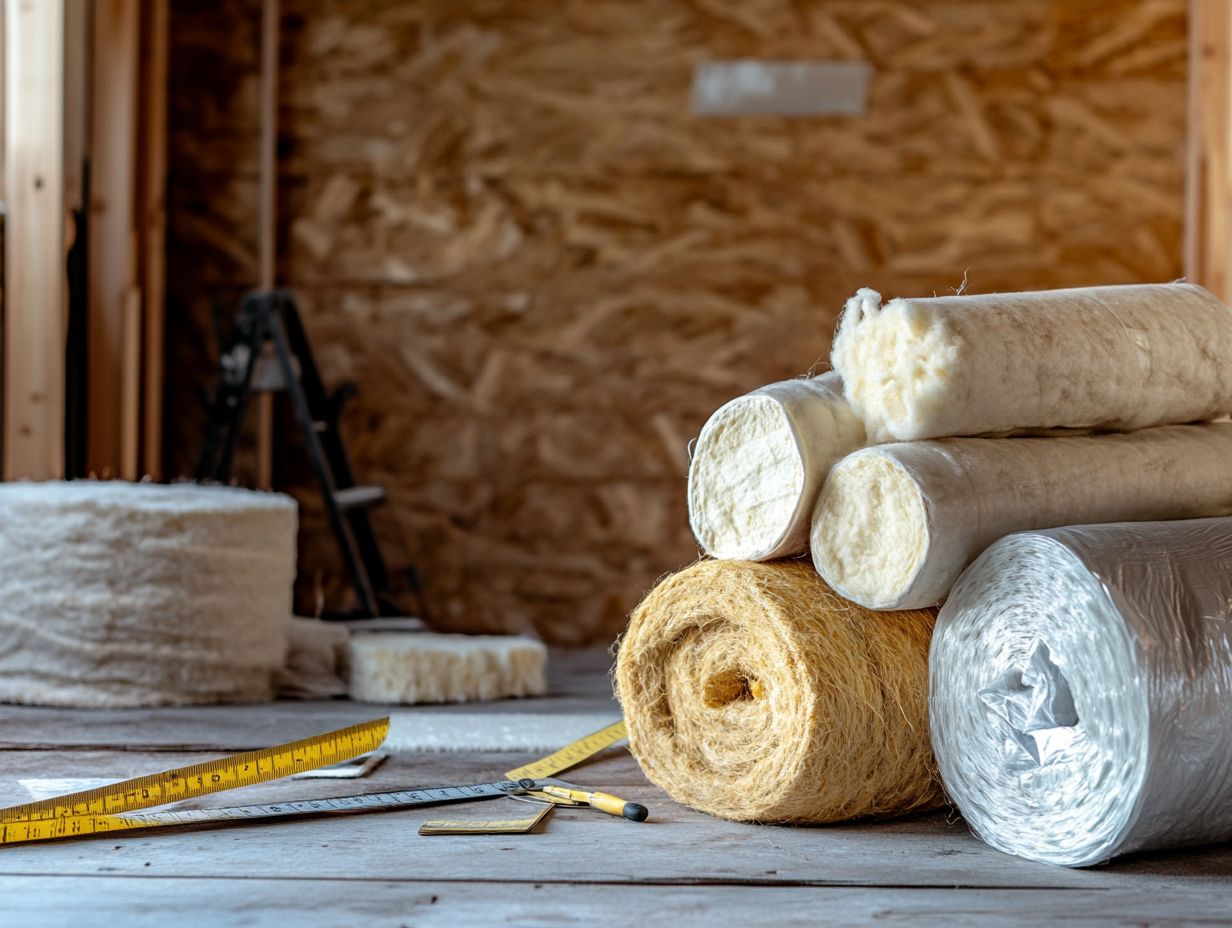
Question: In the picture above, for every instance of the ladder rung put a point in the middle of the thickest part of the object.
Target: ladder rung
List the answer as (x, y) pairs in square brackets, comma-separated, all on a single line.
[(355, 497)]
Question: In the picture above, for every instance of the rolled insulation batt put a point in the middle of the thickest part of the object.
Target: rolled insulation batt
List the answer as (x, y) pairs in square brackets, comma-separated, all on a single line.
[(896, 524), (424, 667), (123, 594), (760, 462), (1081, 690), (1115, 357), (752, 692)]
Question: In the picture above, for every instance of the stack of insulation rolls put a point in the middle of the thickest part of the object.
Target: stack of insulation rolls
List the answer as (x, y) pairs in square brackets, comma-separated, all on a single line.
[(987, 558)]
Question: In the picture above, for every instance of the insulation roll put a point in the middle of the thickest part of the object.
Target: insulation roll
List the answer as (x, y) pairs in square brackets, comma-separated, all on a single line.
[(1081, 690), (896, 524), (760, 462), (424, 667), (122, 594), (754, 693), (1115, 357)]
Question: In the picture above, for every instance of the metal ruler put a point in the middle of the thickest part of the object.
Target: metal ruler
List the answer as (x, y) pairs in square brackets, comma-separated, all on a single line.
[(108, 809)]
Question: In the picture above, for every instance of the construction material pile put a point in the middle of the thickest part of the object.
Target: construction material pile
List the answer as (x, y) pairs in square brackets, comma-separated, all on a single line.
[(948, 424)]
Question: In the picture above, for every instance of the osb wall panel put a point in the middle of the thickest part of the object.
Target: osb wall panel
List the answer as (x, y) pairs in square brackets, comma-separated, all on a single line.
[(503, 222)]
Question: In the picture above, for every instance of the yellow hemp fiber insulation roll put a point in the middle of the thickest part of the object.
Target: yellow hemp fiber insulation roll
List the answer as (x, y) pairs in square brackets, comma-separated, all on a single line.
[(753, 692), (1121, 357)]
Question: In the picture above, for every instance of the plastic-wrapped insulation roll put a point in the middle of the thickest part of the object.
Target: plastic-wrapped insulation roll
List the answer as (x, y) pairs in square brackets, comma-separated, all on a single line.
[(760, 462), (1081, 690), (896, 524), (752, 692), (1122, 357)]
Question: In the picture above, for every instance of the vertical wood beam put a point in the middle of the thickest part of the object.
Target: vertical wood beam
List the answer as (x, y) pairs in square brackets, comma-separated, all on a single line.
[(268, 216), (1208, 183), (35, 282), (113, 405), (153, 228)]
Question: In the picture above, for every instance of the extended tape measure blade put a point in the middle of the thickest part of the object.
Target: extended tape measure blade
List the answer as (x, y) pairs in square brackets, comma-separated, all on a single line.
[(571, 754), (214, 776)]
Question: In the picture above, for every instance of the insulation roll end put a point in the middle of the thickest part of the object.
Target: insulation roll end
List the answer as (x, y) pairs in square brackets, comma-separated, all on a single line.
[(870, 532), (760, 462)]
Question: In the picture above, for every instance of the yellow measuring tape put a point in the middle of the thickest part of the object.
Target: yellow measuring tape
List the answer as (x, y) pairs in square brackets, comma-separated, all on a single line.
[(571, 754), (97, 810), (103, 809)]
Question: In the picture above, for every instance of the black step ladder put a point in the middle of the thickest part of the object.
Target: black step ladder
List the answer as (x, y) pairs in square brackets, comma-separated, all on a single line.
[(270, 318)]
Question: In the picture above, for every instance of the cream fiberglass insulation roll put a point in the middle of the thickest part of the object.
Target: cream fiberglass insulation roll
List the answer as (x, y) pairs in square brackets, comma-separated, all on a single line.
[(1080, 690), (759, 463), (122, 594), (1118, 357), (896, 524)]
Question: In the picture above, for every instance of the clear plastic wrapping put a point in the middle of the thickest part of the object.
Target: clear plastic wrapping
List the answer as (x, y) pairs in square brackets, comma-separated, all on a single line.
[(1081, 690)]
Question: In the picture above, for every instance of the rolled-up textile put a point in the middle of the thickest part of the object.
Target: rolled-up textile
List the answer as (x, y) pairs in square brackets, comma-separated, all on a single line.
[(760, 462), (1115, 357), (896, 524), (138, 594), (1081, 692), (753, 693)]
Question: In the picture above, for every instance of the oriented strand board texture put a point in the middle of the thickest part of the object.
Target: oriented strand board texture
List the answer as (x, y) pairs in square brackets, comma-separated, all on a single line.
[(503, 222)]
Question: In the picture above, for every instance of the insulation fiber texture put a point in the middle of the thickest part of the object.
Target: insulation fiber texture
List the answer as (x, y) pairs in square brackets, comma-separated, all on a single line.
[(896, 524), (1122, 357), (121, 594), (760, 462), (1081, 693), (752, 692), (423, 667)]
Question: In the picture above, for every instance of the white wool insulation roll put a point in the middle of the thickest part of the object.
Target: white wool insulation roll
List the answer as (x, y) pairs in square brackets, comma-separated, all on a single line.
[(896, 524), (1121, 357), (1081, 694), (123, 594), (760, 462)]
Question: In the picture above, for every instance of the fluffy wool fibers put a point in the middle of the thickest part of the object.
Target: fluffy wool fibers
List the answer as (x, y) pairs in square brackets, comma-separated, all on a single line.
[(896, 524), (121, 594), (752, 692), (760, 462), (425, 667), (1121, 357)]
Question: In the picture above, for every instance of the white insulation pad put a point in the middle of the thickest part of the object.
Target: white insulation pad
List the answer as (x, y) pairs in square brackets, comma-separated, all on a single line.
[(423, 667), (896, 524), (1080, 693), (1118, 357), (119, 594), (760, 462)]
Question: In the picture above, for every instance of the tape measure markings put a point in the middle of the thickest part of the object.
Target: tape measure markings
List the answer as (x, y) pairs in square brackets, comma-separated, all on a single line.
[(572, 754), (105, 809), (492, 826), (224, 773), (80, 825)]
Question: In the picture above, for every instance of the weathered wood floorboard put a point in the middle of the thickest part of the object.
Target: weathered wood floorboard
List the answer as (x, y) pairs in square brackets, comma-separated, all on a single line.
[(51, 902), (681, 868)]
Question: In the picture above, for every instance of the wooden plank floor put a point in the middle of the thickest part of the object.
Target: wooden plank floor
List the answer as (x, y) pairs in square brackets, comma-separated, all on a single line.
[(682, 868)]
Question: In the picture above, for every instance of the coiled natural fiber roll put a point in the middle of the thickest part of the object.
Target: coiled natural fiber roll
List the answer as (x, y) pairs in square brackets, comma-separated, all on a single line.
[(760, 462), (754, 693), (1082, 690), (896, 524), (121, 594), (1115, 357)]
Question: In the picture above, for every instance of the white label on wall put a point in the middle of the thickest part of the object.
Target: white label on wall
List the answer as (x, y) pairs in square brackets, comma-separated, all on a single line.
[(751, 87)]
